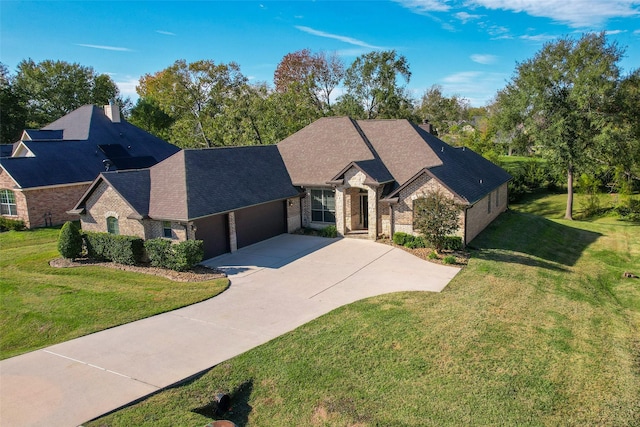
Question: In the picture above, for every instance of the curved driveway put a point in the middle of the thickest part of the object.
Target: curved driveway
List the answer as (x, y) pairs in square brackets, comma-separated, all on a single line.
[(276, 286)]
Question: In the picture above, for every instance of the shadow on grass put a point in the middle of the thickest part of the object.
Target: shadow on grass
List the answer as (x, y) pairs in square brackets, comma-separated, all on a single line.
[(532, 240), (235, 408)]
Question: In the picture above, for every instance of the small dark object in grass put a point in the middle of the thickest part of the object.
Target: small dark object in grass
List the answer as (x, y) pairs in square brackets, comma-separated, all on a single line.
[(220, 404), (629, 275)]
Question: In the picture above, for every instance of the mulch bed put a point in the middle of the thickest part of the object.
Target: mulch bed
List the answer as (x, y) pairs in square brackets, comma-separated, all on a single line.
[(462, 257), (199, 273)]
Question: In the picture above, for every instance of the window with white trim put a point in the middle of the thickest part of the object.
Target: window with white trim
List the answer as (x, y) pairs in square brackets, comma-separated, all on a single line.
[(112, 225), (323, 206), (8, 203)]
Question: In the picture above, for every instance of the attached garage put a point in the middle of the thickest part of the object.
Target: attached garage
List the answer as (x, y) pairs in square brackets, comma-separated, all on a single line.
[(214, 231), (260, 222)]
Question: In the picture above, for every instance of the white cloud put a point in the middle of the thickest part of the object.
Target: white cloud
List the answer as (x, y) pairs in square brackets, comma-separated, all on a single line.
[(614, 32), (466, 17), (538, 37), (344, 39), (478, 87), (481, 58), (636, 32), (425, 6), (96, 46), (127, 87), (166, 33), (575, 13)]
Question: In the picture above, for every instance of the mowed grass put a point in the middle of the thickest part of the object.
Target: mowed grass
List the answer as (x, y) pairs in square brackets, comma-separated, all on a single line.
[(540, 329), (41, 305)]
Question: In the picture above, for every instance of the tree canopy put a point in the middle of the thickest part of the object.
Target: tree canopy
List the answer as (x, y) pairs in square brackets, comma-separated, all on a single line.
[(50, 89), (561, 97)]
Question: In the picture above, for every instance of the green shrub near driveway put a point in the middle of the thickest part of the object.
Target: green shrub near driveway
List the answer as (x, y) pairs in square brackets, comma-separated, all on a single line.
[(329, 231), (175, 256), (7, 224)]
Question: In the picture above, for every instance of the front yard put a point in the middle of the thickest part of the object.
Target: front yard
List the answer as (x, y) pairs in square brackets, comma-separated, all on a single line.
[(42, 305), (540, 328)]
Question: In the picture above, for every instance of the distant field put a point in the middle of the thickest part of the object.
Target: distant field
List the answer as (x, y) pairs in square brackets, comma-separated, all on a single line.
[(540, 329), (42, 305)]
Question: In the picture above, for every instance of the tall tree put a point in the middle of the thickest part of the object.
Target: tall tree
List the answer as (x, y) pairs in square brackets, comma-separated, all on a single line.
[(195, 96), (562, 96), (148, 115), (315, 75), (372, 81), (443, 112), (13, 115), (52, 89)]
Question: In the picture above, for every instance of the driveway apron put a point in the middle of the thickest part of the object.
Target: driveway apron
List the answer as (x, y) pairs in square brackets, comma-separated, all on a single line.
[(276, 286)]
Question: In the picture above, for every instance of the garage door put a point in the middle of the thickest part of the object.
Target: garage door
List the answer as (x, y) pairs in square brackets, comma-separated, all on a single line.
[(214, 232), (260, 222)]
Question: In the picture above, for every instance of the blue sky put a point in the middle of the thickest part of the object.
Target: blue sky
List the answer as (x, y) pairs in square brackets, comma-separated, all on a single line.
[(469, 47)]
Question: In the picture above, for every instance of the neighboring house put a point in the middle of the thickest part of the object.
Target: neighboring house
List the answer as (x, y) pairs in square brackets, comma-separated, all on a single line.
[(361, 176), (45, 173)]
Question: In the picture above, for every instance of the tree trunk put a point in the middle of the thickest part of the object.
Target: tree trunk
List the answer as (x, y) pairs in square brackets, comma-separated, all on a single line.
[(569, 212)]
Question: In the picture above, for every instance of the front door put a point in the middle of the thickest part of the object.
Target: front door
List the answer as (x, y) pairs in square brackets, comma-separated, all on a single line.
[(364, 210)]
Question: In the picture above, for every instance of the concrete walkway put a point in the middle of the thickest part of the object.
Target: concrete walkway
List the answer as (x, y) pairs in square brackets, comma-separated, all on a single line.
[(276, 286)]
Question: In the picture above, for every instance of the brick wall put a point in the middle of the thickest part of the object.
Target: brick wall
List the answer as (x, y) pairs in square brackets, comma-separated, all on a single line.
[(106, 202), (44, 206), (7, 183), (479, 215), (402, 212), (293, 214)]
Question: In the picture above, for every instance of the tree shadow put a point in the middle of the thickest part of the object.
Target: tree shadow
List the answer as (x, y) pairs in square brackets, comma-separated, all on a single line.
[(233, 407), (532, 240)]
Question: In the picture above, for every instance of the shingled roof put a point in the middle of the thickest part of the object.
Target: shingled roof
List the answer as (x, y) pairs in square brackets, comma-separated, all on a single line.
[(321, 153), (197, 183), (80, 146)]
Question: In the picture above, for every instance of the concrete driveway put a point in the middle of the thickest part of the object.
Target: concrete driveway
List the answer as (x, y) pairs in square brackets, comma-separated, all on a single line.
[(276, 286)]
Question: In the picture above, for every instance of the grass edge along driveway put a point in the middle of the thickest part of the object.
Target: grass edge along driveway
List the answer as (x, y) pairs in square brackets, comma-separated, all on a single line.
[(539, 329), (42, 305)]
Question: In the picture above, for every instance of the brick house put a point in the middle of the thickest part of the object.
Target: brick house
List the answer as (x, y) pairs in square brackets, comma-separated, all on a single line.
[(44, 174), (360, 175)]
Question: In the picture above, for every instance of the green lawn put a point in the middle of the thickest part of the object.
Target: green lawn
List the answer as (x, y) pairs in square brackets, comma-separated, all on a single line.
[(540, 329), (42, 305)]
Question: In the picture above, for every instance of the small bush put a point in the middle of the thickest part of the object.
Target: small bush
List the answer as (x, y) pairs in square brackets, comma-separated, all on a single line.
[(70, 241), (449, 259), (433, 255), (329, 231), (413, 242), (187, 254), (400, 238), (158, 251), (111, 247), (452, 243), (7, 224)]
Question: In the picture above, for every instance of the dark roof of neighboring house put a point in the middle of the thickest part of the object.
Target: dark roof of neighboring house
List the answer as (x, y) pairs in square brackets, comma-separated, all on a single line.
[(6, 150), (385, 147), (91, 143), (197, 183), (42, 134)]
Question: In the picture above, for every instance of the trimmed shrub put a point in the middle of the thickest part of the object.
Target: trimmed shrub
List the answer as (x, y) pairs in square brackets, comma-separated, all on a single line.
[(111, 247), (413, 242), (452, 243), (158, 251), (7, 224), (433, 255), (329, 231), (70, 240), (175, 256), (187, 254)]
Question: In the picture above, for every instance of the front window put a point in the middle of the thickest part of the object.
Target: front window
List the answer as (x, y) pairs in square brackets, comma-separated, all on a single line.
[(166, 229), (112, 225), (8, 203), (323, 206)]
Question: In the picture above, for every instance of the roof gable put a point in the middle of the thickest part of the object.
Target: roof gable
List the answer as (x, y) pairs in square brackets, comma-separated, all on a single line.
[(375, 171), (316, 153)]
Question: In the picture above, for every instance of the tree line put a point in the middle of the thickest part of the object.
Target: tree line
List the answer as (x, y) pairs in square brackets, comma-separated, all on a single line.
[(569, 104)]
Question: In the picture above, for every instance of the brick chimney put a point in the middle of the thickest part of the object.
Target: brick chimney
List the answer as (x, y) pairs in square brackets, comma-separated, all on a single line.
[(112, 111), (428, 127)]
